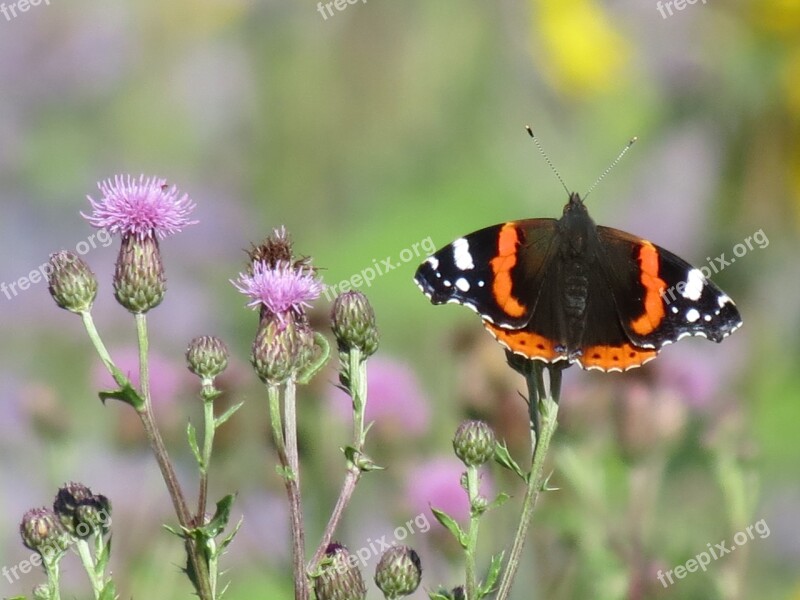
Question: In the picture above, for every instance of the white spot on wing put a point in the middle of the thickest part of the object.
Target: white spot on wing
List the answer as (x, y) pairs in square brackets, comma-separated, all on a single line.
[(462, 284), (723, 300), (694, 285), (433, 262), (461, 255), (692, 315)]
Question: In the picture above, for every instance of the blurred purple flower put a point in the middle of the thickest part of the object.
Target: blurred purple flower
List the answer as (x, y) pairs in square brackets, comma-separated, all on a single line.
[(144, 208), (282, 289), (266, 532), (437, 484), (395, 400)]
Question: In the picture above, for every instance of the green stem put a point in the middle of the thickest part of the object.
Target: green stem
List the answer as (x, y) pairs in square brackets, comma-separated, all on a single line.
[(53, 575), (472, 535), (293, 489), (546, 407), (199, 565), (209, 429), (88, 564), (357, 376)]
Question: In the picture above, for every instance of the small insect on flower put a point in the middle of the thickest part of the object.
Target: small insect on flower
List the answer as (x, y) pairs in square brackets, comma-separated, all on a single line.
[(281, 289), (142, 208)]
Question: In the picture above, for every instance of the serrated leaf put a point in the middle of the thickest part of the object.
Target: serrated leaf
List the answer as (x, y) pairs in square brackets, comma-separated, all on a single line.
[(503, 457), (221, 517), (488, 586), (227, 415), (191, 436), (229, 538), (451, 525)]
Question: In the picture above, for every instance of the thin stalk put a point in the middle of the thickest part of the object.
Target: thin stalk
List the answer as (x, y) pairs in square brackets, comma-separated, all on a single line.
[(53, 575), (357, 373), (88, 564), (199, 565), (293, 489), (209, 429), (546, 407), (472, 534)]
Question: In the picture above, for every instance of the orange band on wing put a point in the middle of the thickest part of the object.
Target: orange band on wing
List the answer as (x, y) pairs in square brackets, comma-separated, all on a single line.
[(525, 342), (653, 287), (615, 358), (502, 264)]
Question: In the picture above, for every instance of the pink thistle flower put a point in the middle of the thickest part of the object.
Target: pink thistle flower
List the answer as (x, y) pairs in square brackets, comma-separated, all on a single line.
[(143, 208), (280, 289)]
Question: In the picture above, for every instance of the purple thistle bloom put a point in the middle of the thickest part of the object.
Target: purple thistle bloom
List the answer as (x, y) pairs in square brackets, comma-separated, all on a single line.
[(280, 289), (142, 208)]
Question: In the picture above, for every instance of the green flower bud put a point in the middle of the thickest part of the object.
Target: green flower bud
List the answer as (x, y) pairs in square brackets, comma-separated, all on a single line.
[(399, 572), (353, 323), (207, 357), (474, 443), (81, 512), (139, 282), (281, 349), (71, 282), (42, 592), (339, 578), (42, 532)]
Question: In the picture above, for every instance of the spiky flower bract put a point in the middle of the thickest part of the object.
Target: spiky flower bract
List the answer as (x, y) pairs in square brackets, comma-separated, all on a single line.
[(399, 572), (142, 208), (71, 282)]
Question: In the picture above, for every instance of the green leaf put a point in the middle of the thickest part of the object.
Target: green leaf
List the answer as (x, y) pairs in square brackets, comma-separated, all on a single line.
[(227, 415), (285, 472), (546, 485), (103, 557), (319, 362), (126, 394), (501, 499), (191, 436), (439, 596), (229, 538), (221, 517), (503, 457), (109, 592), (488, 586), (452, 525)]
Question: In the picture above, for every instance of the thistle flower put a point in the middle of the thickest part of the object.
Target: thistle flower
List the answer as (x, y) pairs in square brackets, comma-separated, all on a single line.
[(474, 443), (143, 208), (41, 531), (71, 282), (207, 357), (81, 512), (281, 349), (340, 578), (399, 572), (353, 323), (139, 281), (274, 250), (280, 289)]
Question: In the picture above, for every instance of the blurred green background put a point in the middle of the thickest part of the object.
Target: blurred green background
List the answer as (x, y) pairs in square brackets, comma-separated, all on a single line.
[(379, 127)]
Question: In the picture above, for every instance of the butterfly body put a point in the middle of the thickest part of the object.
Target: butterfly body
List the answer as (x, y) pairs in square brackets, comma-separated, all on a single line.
[(569, 290)]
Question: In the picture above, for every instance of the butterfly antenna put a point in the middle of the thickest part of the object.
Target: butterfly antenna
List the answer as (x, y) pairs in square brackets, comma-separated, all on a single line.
[(546, 158), (611, 166)]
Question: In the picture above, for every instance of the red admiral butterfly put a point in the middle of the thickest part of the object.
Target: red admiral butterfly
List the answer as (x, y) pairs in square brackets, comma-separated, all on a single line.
[(568, 289)]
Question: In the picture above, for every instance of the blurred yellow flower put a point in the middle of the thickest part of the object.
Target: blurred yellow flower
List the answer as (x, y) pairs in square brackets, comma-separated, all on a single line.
[(581, 52), (780, 17)]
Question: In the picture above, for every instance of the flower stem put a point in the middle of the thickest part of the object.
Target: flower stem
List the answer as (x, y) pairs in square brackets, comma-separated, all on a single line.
[(209, 429), (88, 564), (53, 575), (472, 535), (357, 380), (199, 565), (544, 413)]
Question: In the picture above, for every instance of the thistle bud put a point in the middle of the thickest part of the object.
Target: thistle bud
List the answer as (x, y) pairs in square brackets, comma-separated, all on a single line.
[(207, 357), (340, 578), (399, 572), (281, 349), (71, 282), (139, 282), (41, 531), (353, 323), (81, 512), (42, 592), (474, 443)]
